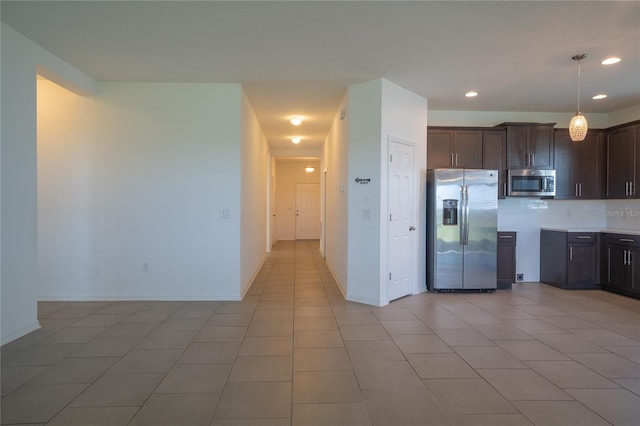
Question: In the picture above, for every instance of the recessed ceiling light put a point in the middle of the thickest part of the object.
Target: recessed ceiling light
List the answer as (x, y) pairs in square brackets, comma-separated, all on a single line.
[(296, 121), (295, 140), (600, 96), (471, 94), (610, 61)]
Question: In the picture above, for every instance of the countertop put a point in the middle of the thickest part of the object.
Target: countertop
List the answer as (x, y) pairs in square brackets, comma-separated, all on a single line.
[(605, 230)]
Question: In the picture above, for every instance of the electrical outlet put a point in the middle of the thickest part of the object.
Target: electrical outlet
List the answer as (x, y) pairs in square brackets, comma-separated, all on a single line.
[(519, 277)]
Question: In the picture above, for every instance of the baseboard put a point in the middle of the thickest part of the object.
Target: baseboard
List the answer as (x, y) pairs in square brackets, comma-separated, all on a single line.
[(365, 300), (253, 277), (13, 336), (199, 298), (333, 274)]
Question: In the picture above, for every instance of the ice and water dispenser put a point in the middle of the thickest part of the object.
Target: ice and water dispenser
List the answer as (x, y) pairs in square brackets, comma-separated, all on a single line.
[(450, 212)]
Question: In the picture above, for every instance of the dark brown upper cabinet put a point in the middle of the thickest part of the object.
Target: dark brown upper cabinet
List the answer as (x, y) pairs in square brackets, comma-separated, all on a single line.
[(623, 156), (454, 148), (580, 166), (494, 156), (529, 145)]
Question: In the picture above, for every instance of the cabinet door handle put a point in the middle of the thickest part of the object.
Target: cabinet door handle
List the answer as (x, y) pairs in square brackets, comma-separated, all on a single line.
[(571, 253), (504, 189), (505, 236), (576, 190), (580, 189), (533, 158), (627, 240), (630, 257), (626, 257), (584, 237), (452, 163), (626, 188), (631, 189)]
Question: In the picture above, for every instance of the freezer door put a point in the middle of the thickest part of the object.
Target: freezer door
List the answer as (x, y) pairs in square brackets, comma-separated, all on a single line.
[(448, 215), (479, 262)]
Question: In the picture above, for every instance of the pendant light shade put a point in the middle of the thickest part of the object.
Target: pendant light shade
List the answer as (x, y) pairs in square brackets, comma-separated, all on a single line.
[(578, 126)]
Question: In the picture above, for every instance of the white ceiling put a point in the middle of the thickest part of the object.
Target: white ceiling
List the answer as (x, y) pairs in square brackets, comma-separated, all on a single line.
[(298, 57)]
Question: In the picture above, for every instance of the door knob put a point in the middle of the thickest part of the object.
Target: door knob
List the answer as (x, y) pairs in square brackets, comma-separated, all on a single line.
[(412, 228)]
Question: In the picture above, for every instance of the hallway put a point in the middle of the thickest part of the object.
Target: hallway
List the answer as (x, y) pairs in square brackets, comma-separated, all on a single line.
[(295, 352)]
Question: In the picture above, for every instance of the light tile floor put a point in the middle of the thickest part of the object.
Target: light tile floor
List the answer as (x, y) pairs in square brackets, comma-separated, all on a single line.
[(295, 352)]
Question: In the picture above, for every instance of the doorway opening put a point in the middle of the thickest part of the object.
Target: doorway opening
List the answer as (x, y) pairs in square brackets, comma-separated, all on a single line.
[(296, 210)]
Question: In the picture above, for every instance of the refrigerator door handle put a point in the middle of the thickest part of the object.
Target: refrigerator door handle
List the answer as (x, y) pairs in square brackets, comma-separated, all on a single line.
[(465, 212), (461, 213), (467, 220)]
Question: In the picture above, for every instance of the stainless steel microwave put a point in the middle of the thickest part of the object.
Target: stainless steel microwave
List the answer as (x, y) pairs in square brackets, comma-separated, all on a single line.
[(532, 183)]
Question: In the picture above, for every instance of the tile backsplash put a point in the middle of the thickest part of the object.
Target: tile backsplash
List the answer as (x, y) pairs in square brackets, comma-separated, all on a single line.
[(623, 214), (531, 214)]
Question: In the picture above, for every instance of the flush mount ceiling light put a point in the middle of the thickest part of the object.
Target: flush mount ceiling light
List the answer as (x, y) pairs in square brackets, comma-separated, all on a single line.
[(600, 96), (610, 61), (295, 140), (309, 169), (578, 126), (471, 94), (296, 121)]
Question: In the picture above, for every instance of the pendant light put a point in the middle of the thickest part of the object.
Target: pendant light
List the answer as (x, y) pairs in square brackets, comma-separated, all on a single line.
[(578, 126)]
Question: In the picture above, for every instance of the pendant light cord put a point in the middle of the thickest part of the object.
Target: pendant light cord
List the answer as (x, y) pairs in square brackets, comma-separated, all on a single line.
[(579, 60)]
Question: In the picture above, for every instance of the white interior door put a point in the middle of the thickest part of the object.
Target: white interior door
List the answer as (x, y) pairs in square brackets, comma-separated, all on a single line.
[(402, 220), (272, 215), (307, 211)]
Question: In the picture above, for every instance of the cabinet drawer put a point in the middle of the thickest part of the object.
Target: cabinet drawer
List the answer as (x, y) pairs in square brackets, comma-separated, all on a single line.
[(582, 237), (624, 240)]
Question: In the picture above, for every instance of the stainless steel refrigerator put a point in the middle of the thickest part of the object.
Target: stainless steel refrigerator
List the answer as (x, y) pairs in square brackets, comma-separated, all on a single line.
[(462, 206)]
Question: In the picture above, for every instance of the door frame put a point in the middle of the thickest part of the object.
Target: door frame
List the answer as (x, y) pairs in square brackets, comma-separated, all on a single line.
[(416, 219), (298, 185)]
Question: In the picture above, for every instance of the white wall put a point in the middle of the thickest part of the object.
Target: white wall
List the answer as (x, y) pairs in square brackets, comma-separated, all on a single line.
[(289, 173), (335, 191), (141, 174), (624, 115), (492, 118), (18, 233), (364, 152), (404, 117), (379, 110), (255, 183)]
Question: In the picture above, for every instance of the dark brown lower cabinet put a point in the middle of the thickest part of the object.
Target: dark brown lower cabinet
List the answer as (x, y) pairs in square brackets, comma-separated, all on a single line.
[(570, 260), (622, 255), (506, 261)]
